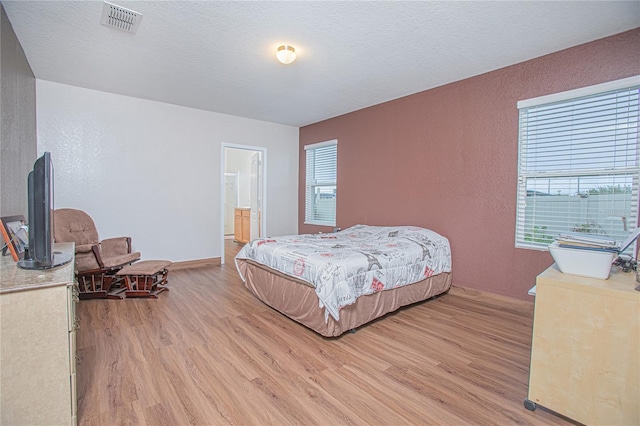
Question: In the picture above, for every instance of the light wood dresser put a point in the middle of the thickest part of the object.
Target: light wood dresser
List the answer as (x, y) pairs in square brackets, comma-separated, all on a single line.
[(38, 344), (586, 350), (241, 224)]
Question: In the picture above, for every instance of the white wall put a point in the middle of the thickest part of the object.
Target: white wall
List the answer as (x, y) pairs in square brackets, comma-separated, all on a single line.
[(152, 170)]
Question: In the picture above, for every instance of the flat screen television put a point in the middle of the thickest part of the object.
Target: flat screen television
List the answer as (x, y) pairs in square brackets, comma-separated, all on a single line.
[(40, 254)]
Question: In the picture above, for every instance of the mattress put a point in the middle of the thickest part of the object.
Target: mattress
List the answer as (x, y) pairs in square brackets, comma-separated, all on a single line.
[(358, 261), (362, 272)]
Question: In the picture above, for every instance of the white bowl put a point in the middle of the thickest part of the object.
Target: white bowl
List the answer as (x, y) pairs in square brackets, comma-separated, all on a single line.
[(585, 263)]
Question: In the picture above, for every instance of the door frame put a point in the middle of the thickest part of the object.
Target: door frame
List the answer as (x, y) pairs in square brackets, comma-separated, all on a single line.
[(225, 175), (263, 218)]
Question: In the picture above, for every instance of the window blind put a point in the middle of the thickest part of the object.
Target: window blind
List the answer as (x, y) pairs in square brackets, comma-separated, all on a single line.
[(321, 183), (578, 166)]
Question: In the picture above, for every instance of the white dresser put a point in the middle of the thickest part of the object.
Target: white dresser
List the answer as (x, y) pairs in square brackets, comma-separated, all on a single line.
[(38, 344)]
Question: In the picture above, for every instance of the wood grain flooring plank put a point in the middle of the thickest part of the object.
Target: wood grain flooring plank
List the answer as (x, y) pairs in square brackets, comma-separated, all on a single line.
[(327, 351), (295, 356), (226, 392), (361, 404), (326, 408), (440, 389), (408, 406), (186, 387), (159, 414)]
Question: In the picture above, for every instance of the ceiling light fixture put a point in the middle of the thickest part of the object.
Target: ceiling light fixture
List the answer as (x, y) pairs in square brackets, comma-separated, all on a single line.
[(286, 54)]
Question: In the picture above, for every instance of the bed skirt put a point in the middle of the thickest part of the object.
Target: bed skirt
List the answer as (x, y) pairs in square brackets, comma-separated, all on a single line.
[(298, 300)]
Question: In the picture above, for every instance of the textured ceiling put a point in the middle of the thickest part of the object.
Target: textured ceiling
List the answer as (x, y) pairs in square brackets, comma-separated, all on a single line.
[(220, 56)]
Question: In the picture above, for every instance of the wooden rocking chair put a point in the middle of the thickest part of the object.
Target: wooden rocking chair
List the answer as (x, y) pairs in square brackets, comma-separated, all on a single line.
[(97, 262)]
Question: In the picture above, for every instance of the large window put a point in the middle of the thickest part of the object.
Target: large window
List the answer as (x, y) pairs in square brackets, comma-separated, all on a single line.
[(578, 163), (321, 180)]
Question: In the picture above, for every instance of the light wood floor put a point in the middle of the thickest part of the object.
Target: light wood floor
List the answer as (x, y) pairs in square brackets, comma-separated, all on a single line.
[(209, 353)]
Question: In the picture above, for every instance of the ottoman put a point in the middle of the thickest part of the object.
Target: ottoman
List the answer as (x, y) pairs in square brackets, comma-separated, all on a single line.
[(145, 278)]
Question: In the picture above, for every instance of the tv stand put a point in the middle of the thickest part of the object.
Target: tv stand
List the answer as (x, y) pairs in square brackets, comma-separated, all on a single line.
[(59, 259), (38, 374)]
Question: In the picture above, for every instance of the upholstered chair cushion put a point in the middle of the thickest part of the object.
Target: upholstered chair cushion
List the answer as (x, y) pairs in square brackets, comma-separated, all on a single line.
[(115, 252), (114, 246), (75, 225), (86, 262)]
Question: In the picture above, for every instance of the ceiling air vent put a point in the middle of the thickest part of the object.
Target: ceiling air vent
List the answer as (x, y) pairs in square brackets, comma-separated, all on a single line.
[(120, 17)]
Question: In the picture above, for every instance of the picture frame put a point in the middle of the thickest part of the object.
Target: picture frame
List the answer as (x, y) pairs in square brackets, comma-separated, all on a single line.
[(15, 239)]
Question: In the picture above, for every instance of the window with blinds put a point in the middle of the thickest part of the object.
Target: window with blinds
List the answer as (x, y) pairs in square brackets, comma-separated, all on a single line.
[(578, 163), (321, 180)]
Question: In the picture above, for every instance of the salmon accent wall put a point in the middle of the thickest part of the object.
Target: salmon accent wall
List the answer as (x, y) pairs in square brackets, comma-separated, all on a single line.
[(446, 159)]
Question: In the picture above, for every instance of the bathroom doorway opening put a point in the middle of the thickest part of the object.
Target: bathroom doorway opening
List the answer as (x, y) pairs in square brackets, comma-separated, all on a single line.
[(243, 193)]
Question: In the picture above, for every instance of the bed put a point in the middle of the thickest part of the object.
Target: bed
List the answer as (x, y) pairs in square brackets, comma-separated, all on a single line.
[(332, 283)]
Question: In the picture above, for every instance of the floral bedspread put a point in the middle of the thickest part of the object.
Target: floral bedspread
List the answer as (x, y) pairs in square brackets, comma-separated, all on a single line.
[(360, 260)]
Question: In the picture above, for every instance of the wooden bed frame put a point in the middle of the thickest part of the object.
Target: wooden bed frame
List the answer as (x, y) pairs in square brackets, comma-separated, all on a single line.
[(297, 299)]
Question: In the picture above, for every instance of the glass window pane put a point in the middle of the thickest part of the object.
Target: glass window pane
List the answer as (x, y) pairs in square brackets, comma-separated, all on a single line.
[(579, 167), (321, 180)]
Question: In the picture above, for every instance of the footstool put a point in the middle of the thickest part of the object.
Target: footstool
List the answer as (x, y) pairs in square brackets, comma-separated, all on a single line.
[(145, 278)]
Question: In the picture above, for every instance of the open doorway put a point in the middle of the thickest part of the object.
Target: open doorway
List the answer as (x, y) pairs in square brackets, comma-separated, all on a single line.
[(243, 194)]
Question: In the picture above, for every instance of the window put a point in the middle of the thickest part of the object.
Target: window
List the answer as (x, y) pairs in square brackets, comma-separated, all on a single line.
[(578, 163), (321, 180)]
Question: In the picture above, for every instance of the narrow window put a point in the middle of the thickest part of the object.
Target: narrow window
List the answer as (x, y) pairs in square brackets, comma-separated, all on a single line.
[(321, 182)]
